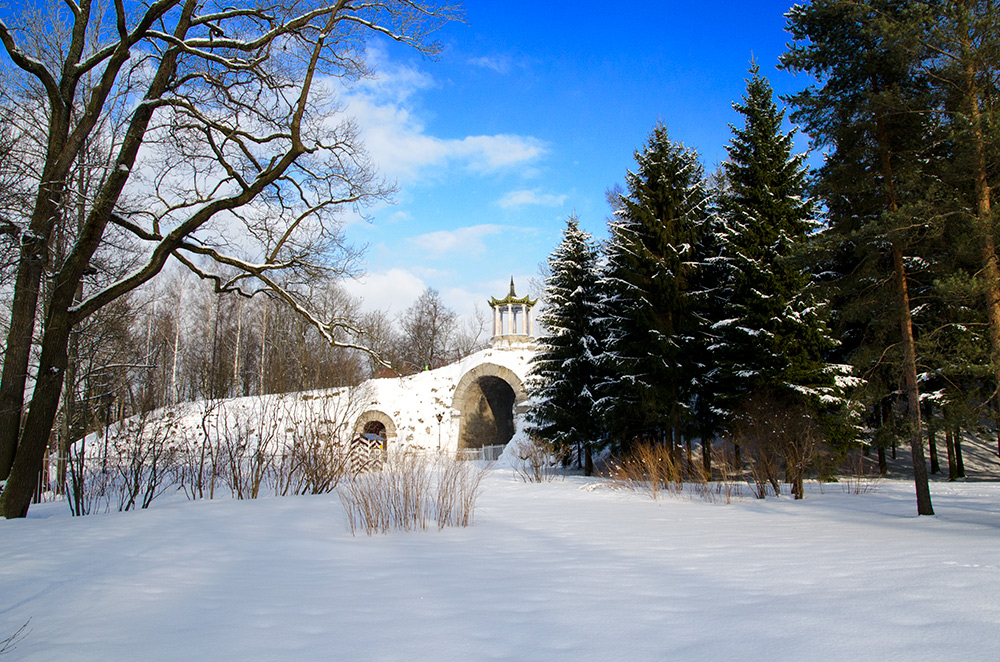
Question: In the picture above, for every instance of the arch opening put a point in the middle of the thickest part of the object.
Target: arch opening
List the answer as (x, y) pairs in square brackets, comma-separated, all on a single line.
[(376, 426), (375, 431), (490, 419), (486, 401)]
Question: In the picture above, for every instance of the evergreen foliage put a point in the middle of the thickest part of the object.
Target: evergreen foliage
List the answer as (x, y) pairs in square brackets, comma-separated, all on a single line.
[(772, 334), (564, 372), (880, 197), (651, 258)]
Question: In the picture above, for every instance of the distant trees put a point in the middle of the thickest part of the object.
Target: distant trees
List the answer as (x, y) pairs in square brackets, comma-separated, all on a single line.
[(428, 331), (236, 139)]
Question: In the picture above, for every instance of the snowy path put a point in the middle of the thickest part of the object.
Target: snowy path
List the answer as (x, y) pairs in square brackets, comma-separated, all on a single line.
[(549, 572)]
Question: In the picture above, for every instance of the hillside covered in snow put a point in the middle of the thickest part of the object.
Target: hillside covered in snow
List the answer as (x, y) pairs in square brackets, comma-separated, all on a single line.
[(566, 570)]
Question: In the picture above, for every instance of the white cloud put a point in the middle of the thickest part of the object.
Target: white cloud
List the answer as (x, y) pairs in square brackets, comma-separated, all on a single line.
[(393, 290), (397, 140), (525, 198), (489, 153), (467, 240), (498, 63)]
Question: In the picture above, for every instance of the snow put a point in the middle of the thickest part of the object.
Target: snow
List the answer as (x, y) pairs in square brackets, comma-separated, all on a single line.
[(566, 570), (412, 403)]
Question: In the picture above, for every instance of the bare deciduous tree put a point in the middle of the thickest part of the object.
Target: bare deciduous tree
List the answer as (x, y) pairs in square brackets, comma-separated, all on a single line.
[(217, 122), (429, 329)]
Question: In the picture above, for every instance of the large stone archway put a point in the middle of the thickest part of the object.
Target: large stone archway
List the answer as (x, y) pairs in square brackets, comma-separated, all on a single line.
[(373, 418), (486, 399)]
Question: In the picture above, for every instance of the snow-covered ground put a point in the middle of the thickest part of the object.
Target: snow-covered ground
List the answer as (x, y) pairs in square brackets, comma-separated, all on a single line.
[(567, 570)]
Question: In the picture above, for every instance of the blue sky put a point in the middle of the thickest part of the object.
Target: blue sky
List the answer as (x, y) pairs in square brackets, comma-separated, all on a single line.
[(532, 111)]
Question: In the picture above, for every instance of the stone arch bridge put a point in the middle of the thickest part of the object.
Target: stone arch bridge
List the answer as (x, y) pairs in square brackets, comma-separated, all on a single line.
[(470, 404)]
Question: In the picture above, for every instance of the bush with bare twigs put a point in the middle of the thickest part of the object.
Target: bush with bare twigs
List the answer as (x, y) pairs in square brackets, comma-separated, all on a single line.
[(859, 476), (410, 490), (251, 446), (130, 465), (8, 644), (533, 460), (775, 433)]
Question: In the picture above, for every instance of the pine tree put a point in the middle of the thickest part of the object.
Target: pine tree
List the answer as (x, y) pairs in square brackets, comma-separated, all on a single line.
[(772, 335), (564, 372), (965, 60), (864, 56), (647, 283)]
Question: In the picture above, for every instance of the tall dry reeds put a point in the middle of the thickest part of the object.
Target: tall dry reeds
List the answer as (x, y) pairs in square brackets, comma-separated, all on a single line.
[(650, 468), (410, 490), (653, 469)]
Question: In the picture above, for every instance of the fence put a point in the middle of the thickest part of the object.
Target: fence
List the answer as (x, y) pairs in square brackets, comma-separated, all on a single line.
[(485, 453)]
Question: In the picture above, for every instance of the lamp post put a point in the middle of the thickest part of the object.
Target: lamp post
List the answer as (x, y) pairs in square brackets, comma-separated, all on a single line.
[(440, 416)]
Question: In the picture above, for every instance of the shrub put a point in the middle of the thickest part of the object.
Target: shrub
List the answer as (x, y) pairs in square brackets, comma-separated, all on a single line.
[(409, 490), (649, 468), (533, 460)]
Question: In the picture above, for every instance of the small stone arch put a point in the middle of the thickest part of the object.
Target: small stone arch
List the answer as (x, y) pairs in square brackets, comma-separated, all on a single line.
[(373, 416), (486, 398)]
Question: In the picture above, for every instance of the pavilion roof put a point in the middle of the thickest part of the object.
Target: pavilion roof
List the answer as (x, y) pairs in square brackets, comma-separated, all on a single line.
[(512, 299)]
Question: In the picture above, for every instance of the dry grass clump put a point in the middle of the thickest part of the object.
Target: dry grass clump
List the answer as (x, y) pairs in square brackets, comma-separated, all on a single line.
[(649, 468), (725, 485), (654, 469), (410, 490)]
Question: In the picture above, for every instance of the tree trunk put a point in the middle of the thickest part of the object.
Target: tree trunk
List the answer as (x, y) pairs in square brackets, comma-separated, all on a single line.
[(263, 346), (588, 464), (706, 456), (959, 462), (996, 403), (985, 225), (949, 438), (31, 262), (174, 393), (23, 478), (924, 506), (237, 390), (69, 412), (883, 467), (932, 445)]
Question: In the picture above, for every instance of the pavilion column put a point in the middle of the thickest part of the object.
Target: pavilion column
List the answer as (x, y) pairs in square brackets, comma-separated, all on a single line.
[(512, 315)]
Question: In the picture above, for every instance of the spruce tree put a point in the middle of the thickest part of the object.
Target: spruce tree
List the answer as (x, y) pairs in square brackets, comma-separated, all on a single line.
[(564, 372), (651, 254), (772, 335)]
